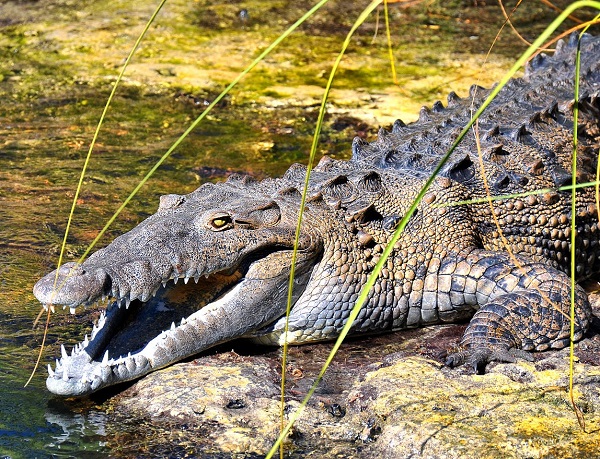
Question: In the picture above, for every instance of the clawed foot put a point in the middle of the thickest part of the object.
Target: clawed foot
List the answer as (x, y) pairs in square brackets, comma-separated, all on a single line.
[(476, 359)]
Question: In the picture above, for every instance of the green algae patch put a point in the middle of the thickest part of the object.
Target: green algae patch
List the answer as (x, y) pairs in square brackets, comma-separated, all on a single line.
[(541, 427), (443, 414)]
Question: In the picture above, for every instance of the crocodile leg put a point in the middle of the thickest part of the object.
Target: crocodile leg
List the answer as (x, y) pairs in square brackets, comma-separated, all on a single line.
[(522, 308)]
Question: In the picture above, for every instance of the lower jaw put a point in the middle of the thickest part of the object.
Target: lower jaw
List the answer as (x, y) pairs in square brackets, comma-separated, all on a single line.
[(127, 330), (251, 303)]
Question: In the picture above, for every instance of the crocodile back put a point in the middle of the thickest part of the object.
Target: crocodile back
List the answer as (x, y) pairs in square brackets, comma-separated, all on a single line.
[(523, 145)]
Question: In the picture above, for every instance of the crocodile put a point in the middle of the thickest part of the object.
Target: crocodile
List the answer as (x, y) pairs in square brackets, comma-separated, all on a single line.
[(502, 265)]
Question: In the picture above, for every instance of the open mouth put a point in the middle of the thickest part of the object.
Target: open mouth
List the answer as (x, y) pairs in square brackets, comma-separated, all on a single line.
[(183, 318), (115, 346), (170, 308)]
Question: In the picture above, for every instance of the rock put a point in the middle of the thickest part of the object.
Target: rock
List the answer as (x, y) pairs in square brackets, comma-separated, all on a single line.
[(236, 396), (400, 406), (431, 413)]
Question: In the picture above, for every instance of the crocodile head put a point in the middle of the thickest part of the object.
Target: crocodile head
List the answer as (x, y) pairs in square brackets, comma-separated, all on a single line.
[(232, 240)]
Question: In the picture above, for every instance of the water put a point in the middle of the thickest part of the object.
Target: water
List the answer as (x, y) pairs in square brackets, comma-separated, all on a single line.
[(58, 59)]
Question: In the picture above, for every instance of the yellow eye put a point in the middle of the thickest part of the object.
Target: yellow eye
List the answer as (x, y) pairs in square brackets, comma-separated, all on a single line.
[(220, 222)]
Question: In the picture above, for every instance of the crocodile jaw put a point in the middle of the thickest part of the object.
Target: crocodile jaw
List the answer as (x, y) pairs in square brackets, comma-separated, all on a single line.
[(111, 357)]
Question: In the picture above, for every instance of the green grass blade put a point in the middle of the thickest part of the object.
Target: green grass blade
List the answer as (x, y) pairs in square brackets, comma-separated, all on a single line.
[(501, 197), (573, 235), (195, 123), (390, 246), (389, 41), (313, 151), (85, 166), (97, 131), (573, 260)]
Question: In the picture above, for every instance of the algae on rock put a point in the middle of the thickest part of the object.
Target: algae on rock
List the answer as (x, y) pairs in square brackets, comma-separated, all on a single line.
[(403, 406)]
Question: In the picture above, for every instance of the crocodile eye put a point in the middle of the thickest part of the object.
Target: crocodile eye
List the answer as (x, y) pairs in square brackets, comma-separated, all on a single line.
[(221, 222)]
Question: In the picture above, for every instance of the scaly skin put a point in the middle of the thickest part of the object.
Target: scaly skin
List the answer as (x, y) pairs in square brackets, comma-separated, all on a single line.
[(504, 266)]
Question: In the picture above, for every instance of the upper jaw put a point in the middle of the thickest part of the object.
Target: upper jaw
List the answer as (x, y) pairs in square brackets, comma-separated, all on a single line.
[(104, 275), (74, 285)]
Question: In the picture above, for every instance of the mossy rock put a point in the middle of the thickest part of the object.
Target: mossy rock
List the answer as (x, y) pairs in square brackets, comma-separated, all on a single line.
[(402, 406)]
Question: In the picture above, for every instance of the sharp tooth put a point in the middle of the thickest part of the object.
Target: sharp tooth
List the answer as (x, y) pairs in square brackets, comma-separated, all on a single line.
[(164, 284), (105, 358), (63, 352), (58, 365), (50, 371), (154, 291), (186, 280), (196, 279), (52, 309), (183, 321), (172, 325), (86, 341), (175, 279), (65, 375), (72, 310), (127, 303), (45, 306)]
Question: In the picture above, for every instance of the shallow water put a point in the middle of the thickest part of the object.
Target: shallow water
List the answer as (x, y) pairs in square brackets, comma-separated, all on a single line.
[(58, 59)]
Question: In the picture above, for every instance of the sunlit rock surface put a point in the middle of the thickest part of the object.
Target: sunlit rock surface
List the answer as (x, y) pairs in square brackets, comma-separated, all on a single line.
[(384, 397)]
